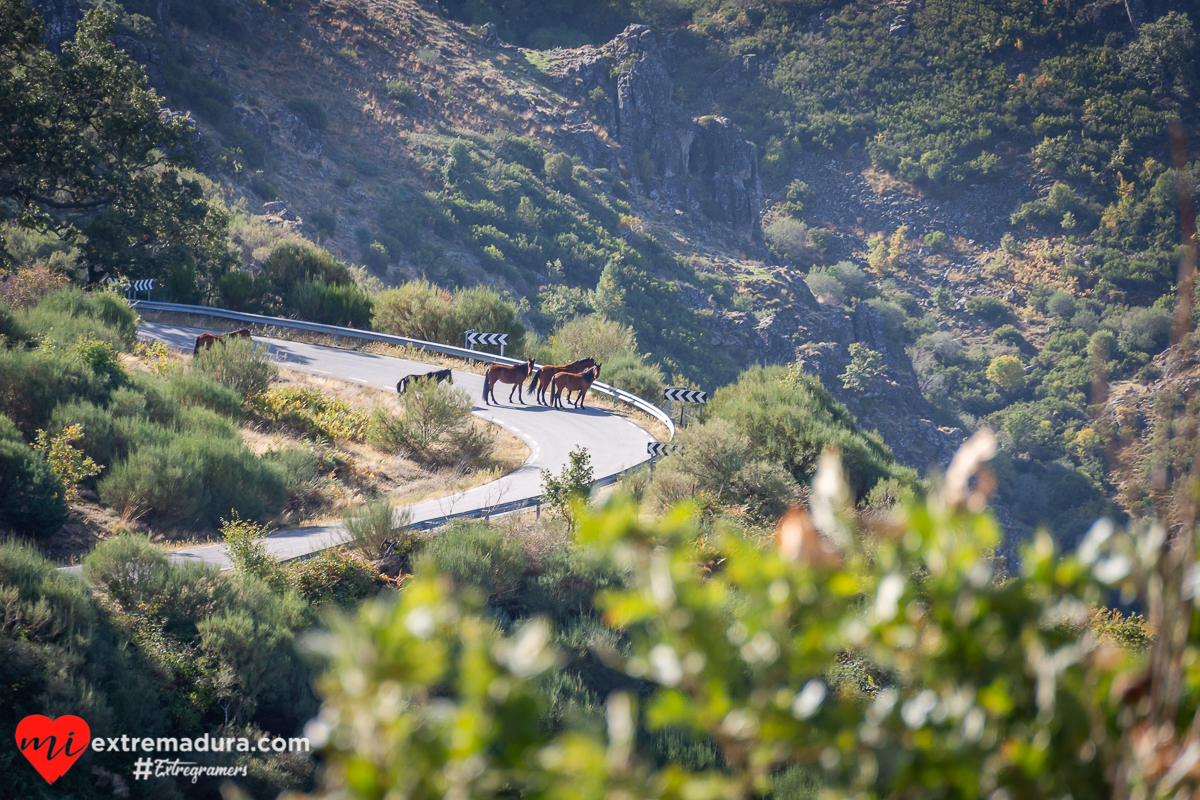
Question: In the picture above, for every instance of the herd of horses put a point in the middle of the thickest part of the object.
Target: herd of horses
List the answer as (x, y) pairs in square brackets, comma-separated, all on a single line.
[(577, 376)]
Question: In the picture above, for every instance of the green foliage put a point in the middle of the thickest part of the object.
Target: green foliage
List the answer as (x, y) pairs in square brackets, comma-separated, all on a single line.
[(563, 492), (1161, 56), (89, 160), (1145, 330), (789, 418), (1007, 372), (370, 531), (69, 465), (245, 548), (198, 388), (860, 686), (332, 576), (310, 111), (435, 427), (558, 171), (312, 412), (792, 239), (238, 364), (34, 501), (633, 374), (718, 461), (937, 241), (323, 222), (865, 367), (592, 336), (1061, 304), (400, 91), (33, 382), (988, 309), (194, 479), (420, 310), (316, 301)]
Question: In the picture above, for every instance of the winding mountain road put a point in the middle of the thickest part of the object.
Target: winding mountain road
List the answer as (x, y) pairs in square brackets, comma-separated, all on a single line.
[(614, 443)]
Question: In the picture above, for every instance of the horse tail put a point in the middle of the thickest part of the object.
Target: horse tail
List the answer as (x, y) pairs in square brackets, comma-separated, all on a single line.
[(487, 379), (533, 376)]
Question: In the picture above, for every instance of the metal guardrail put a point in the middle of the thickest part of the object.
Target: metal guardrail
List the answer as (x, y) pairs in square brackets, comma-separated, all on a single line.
[(644, 406)]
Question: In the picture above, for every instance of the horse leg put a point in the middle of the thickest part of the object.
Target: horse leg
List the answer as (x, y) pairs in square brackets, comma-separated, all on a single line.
[(513, 389), (485, 389)]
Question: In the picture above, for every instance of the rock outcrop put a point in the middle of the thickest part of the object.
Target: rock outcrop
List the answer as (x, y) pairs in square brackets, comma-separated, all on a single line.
[(702, 164)]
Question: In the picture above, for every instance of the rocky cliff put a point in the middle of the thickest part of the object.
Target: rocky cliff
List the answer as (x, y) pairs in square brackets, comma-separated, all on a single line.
[(702, 164)]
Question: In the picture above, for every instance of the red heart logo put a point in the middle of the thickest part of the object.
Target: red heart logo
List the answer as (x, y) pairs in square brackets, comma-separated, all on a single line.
[(52, 746)]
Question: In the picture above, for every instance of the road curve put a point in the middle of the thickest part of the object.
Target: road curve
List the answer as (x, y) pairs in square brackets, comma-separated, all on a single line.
[(615, 443)]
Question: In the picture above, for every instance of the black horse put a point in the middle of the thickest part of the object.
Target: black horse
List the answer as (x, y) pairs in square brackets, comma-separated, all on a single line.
[(438, 375)]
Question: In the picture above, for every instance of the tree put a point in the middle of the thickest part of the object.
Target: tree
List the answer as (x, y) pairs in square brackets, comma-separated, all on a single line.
[(1161, 55), (1007, 373), (88, 156), (865, 366), (569, 487)]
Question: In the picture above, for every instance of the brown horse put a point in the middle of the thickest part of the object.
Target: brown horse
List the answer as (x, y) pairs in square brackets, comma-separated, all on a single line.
[(207, 340), (499, 373), (546, 374), (573, 382)]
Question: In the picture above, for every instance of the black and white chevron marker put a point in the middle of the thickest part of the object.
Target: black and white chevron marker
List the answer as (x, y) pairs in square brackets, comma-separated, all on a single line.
[(487, 338), (146, 285), (656, 449), (687, 395)]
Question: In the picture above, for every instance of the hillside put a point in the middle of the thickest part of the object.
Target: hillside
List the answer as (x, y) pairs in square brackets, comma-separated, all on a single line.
[(734, 192)]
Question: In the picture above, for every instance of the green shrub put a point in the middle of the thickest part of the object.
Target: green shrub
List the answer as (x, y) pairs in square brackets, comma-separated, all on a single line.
[(33, 382), (106, 307), (1145, 330), (292, 263), (401, 92), (633, 374), (317, 301), (299, 465), (559, 170), (988, 309), (371, 530), (416, 309), (936, 241), (791, 239), (312, 412), (194, 479), (33, 501), (1008, 334), (1061, 305), (789, 418), (826, 288), (11, 330), (323, 222), (310, 111), (198, 388), (246, 551), (237, 364), (592, 336), (435, 427), (474, 554), (332, 576), (263, 187)]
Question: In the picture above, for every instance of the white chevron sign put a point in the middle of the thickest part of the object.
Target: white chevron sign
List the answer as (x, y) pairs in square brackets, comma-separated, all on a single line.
[(146, 285), (656, 449), (487, 338), (687, 395)]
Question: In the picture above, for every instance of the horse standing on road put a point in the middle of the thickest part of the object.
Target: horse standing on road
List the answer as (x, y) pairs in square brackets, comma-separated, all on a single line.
[(438, 375), (207, 340), (499, 373), (573, 382), (546, 374)]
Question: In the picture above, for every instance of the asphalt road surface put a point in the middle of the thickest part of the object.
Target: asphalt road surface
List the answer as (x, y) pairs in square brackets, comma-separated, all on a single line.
[(614, 443)]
